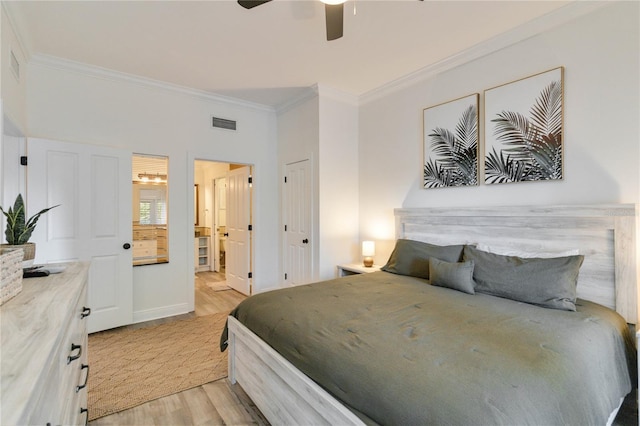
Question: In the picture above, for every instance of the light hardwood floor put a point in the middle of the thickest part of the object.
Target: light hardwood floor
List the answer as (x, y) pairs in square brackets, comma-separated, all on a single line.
[(215, 403)]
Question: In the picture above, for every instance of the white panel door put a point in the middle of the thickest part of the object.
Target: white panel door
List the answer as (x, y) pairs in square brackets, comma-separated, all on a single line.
[(297, 220), (92, 184), (238, 244), (219, 237)]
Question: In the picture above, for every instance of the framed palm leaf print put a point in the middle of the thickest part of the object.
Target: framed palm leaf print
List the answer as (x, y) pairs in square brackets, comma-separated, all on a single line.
[(450, 143), (523, 129)]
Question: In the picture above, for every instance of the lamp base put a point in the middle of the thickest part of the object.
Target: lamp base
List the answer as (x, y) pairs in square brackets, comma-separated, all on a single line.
[(368, 262)]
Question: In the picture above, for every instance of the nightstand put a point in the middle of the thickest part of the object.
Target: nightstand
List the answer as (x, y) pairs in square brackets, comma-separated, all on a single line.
[(355, 268)]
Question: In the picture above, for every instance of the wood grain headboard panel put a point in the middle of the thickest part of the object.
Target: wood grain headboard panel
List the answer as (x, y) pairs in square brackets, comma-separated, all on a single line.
[(604, 234)]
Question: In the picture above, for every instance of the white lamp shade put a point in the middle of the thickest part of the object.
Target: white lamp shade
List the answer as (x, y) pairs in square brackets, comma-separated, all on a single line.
[(368, 248)]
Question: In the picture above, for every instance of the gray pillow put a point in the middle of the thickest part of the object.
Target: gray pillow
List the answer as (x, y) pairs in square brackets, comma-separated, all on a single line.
[(457, 276), (410, 257), (550, 283)]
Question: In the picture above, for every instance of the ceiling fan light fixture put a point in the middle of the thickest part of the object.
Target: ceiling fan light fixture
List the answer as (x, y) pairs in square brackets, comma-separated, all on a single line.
[(333, 10)]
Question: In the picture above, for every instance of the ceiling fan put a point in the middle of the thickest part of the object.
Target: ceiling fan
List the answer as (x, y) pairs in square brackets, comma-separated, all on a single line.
[(333, 11)]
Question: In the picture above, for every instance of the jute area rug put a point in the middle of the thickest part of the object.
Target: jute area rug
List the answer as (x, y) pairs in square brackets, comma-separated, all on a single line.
[(131, 367)]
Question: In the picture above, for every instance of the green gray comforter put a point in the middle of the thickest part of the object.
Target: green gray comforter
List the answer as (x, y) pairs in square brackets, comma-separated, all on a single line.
[(398, 351)]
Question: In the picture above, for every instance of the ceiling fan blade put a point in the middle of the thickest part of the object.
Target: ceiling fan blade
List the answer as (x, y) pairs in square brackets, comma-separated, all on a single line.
[(250, 4), (334, 14)]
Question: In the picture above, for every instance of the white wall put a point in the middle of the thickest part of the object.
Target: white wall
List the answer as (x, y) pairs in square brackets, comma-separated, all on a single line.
[(338, 181), (600, 53), (12, 114), (298, 130), (323, 128), (13, 91), (73, 103), (298, 140)]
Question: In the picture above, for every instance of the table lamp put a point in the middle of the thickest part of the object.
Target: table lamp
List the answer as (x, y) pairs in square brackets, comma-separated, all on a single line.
[(368, 251)]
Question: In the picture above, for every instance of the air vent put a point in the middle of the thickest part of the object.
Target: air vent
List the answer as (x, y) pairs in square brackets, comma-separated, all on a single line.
[(223, 123)]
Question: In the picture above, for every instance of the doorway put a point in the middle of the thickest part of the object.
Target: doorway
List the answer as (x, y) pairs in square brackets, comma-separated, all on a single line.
[(222, 258)]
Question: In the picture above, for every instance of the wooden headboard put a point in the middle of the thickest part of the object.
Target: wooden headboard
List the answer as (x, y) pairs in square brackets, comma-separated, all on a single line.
[(604, 234)]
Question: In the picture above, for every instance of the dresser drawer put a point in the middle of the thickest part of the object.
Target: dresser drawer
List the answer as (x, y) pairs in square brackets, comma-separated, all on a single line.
[(76, 393), (72, 365), (40, 325)]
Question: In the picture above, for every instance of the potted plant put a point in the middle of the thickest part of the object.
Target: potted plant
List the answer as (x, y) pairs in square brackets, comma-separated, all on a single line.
[(19, 229)]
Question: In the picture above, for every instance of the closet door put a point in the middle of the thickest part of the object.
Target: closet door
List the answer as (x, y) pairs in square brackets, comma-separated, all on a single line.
[(92, 184), (297, 221)]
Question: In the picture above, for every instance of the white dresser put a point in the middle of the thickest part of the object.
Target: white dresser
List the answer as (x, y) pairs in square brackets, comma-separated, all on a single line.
[(44, 367)]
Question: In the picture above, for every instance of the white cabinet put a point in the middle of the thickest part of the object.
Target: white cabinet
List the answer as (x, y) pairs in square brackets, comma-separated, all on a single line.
[(149, 244), (202, 254), (145, 249), (44, 350)]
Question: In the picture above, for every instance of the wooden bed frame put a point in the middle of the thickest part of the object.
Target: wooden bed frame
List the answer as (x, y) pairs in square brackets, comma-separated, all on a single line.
[(604, 234)]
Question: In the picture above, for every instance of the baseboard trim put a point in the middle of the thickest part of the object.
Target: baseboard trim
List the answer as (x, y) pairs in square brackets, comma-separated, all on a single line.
[(162, 312)]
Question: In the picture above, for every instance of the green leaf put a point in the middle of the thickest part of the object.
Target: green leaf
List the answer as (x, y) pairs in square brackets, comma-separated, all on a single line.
[(18, 229)]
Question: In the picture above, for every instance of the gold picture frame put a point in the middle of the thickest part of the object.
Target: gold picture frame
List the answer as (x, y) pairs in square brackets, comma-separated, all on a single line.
[(450, 143), (524, 123)]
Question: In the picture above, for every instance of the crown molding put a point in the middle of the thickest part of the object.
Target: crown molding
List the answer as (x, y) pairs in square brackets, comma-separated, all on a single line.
[(319, 90), (528, 30), (309, 93), (54, 62), (337, 95)]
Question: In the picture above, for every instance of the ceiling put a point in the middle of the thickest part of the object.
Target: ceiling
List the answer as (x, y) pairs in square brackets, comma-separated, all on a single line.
[(268, 54)]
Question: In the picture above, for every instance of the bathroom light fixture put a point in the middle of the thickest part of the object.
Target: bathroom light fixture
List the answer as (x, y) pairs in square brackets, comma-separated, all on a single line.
[(368, 251), (150, 177)]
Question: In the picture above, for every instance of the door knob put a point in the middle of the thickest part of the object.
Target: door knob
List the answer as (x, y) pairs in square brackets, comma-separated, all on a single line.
[(226, 234), (305, 241), (126, 246)]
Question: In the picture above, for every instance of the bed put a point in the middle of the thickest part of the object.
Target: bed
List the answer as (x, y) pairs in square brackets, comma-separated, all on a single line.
[(452, 355)]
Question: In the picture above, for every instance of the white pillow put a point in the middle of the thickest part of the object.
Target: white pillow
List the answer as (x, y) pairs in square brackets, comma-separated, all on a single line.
[(526, 253)]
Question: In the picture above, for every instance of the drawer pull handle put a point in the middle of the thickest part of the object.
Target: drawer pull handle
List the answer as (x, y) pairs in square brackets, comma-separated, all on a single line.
[(86, 378), (85, 411), (85, 312), (74, 347)]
